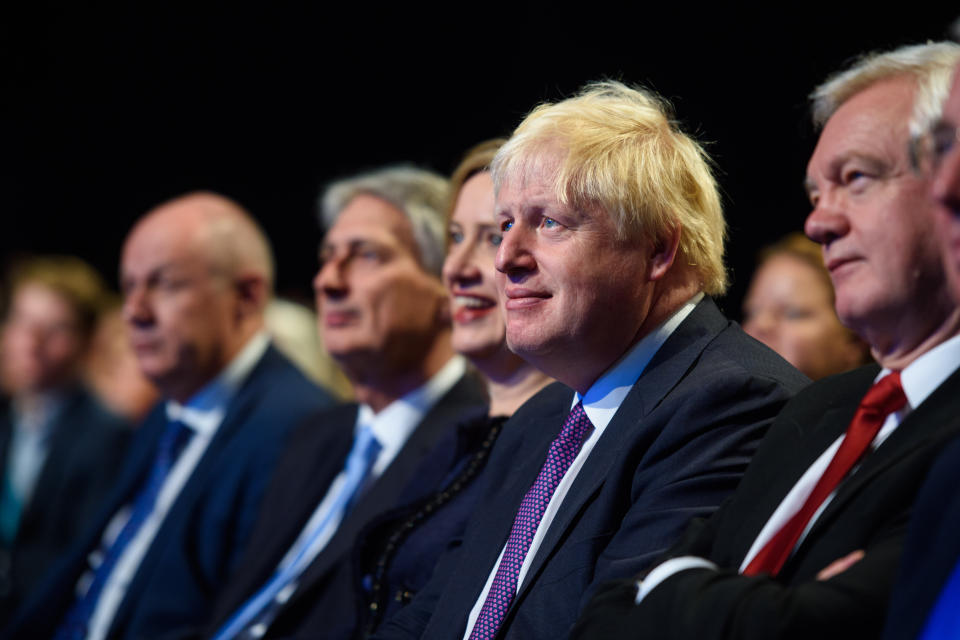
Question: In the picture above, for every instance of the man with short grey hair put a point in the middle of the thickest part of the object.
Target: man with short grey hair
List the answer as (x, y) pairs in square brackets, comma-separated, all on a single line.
[(809, 544), (385, 319)]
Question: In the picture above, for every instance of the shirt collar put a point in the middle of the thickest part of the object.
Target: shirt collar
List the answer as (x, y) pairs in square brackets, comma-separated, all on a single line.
[(204, 411), (605, 396), (396, 422), (921, 377)]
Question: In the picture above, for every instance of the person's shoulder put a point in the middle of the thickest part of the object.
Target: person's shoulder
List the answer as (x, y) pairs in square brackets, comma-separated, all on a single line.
[(95, 416), (285, 386)]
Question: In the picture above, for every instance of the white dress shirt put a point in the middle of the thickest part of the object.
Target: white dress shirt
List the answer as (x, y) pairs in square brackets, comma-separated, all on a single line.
[(392, 427), (919, 379), (600, 403), (203, 414)]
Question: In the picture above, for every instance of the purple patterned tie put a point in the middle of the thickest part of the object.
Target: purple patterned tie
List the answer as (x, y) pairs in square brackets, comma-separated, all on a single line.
[(561, 453)]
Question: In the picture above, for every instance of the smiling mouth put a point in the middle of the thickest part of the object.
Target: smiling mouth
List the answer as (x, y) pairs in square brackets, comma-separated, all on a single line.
[(469, 308), (521, 298)]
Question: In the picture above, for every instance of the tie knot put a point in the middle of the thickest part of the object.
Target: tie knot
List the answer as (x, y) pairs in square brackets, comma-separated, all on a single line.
[(576, 426), (886, 396)]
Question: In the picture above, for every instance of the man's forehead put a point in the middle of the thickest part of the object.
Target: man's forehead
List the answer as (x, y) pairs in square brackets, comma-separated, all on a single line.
[(874, 123), (367, 218)]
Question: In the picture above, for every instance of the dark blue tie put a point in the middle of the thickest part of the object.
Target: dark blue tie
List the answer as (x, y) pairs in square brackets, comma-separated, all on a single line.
[(172, 441)]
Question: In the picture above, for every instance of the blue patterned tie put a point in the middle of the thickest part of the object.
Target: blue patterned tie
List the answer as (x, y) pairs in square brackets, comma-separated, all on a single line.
[(561, 454), (174, 438), (261, 607)]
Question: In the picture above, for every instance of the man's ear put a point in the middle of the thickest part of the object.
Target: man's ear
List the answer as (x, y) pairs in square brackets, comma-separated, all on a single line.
[(252, 294), (664, 252)]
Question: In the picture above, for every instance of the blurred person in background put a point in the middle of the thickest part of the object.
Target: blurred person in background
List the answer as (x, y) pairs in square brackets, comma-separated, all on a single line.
[(59, 447), (112, 371), (196, 274), (386, 321), (789, 308)]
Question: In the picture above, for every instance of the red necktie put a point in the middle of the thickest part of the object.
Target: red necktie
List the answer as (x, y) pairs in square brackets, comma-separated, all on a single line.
[(883, 398)]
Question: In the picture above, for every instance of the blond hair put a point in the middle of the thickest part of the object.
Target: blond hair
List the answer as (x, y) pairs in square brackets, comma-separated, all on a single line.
[(620, 150)]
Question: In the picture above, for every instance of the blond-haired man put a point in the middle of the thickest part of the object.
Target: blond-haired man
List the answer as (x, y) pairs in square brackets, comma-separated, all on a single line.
[(612, 245)]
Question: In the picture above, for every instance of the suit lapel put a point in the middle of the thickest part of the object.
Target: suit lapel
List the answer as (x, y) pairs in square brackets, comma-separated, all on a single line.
[(452, 408), (668, 366), (929, 423)]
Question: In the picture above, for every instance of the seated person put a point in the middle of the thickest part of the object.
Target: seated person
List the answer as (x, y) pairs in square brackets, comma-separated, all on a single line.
[(59, 447)]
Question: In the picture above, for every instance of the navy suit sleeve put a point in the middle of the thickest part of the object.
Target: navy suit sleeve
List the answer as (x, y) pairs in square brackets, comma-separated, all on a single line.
[(687, 476), (715, 605)]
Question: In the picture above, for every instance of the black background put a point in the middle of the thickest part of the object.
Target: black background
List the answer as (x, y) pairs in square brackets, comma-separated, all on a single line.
[(109, 109)]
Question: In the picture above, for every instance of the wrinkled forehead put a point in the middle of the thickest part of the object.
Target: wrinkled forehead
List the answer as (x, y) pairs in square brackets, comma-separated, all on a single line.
[(368, 218), (874, 123)]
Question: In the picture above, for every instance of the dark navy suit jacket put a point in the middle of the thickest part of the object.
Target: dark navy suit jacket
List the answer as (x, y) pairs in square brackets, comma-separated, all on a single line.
[(675, 449), (205, 531), (869, 512), (87, 445)]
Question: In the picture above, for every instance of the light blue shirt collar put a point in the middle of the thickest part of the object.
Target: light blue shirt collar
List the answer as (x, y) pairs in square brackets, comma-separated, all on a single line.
[(393, 425), (204, 411), (605, 396)]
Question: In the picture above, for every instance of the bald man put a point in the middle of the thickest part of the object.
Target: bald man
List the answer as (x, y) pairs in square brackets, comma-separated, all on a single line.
[(196, 275)]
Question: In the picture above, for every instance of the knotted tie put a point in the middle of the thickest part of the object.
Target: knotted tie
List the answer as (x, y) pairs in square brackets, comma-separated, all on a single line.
[(883, 398), (259, 606), (174, 438), (559, 457)]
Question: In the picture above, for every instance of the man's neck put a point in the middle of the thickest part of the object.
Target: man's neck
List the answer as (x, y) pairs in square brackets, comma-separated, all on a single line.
[(899, 351), (378, 389)]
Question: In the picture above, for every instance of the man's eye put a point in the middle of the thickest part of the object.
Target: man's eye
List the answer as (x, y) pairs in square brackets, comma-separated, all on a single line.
[(943, 139), (550, 223), (506, 225)]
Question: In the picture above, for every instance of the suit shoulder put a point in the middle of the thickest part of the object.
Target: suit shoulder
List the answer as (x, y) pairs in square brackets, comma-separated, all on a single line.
[(739, 352), (285, 386)]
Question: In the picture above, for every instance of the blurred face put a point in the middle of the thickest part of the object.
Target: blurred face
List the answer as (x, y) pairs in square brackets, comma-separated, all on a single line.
[(379, 309), (788, 308), (182, 312), (575, 296), (873, 217), (946, 186), (42, 343), (469, 272)]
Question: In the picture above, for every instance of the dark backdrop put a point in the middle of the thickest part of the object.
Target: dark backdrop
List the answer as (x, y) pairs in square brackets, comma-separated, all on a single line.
[(109, 109)]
